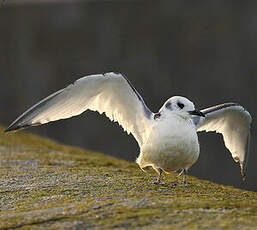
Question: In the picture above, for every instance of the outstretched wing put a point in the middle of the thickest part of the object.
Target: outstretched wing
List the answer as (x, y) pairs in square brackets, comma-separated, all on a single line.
[(233, 122), (108, 93)]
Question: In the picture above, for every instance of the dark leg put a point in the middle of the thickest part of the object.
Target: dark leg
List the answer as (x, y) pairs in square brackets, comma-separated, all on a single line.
[(159, 170), (184, 177)]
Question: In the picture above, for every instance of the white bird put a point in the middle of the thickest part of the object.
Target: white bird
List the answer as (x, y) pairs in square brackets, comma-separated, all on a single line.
[(168, 139)]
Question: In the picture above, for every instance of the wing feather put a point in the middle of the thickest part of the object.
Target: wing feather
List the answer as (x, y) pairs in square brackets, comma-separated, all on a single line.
[(233, 122), (108, 93)]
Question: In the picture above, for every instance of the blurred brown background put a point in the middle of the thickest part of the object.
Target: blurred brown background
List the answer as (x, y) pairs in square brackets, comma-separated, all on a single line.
[(204, 50)]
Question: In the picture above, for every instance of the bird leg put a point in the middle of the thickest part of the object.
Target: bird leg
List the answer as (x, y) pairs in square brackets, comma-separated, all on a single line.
[(184, 178), (180, 172), (184, 172), (159, 171)]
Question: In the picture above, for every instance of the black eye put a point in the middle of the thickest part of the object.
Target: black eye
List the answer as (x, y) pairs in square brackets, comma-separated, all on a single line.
[(180, 105)]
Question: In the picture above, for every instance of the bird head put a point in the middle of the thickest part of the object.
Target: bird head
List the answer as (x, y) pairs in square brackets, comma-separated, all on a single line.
[(180, 106)]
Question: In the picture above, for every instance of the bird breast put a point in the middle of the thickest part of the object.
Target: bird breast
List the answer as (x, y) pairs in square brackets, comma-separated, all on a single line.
[(172, 145)]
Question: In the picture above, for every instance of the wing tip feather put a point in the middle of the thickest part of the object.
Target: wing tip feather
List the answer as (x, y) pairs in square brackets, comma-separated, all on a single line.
[(14, 128), (243, 173), (17, 127)]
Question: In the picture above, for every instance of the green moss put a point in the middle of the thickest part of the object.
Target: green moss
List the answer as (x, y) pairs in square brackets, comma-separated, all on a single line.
[(44, 184)]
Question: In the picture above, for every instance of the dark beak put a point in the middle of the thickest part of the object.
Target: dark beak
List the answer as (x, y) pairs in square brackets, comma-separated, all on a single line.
[(196, 113)]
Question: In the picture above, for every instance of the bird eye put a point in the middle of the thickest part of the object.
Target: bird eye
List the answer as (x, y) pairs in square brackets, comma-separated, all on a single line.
[(180, 105)]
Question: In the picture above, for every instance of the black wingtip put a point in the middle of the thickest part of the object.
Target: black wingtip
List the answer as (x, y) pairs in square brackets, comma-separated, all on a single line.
[(243, 174), (243, 170), (13, 128), (7, 130)]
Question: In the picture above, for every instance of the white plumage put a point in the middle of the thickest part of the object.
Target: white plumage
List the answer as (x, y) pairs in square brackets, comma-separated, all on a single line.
[(233, 122), (168, 139)]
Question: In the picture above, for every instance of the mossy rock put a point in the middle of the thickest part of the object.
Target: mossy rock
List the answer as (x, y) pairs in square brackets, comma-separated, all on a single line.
[(46, 185)]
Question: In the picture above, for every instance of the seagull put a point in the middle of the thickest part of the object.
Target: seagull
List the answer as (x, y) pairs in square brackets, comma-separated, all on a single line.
[(168, 139)]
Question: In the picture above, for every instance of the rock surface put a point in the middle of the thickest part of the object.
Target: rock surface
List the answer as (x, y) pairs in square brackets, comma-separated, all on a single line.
[(46, 185)]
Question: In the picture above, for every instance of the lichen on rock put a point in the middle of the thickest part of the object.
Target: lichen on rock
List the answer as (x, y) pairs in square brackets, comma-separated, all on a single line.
[(47, 185)]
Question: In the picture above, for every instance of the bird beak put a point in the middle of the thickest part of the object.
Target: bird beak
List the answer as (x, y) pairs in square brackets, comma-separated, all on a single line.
[(197, 113)]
